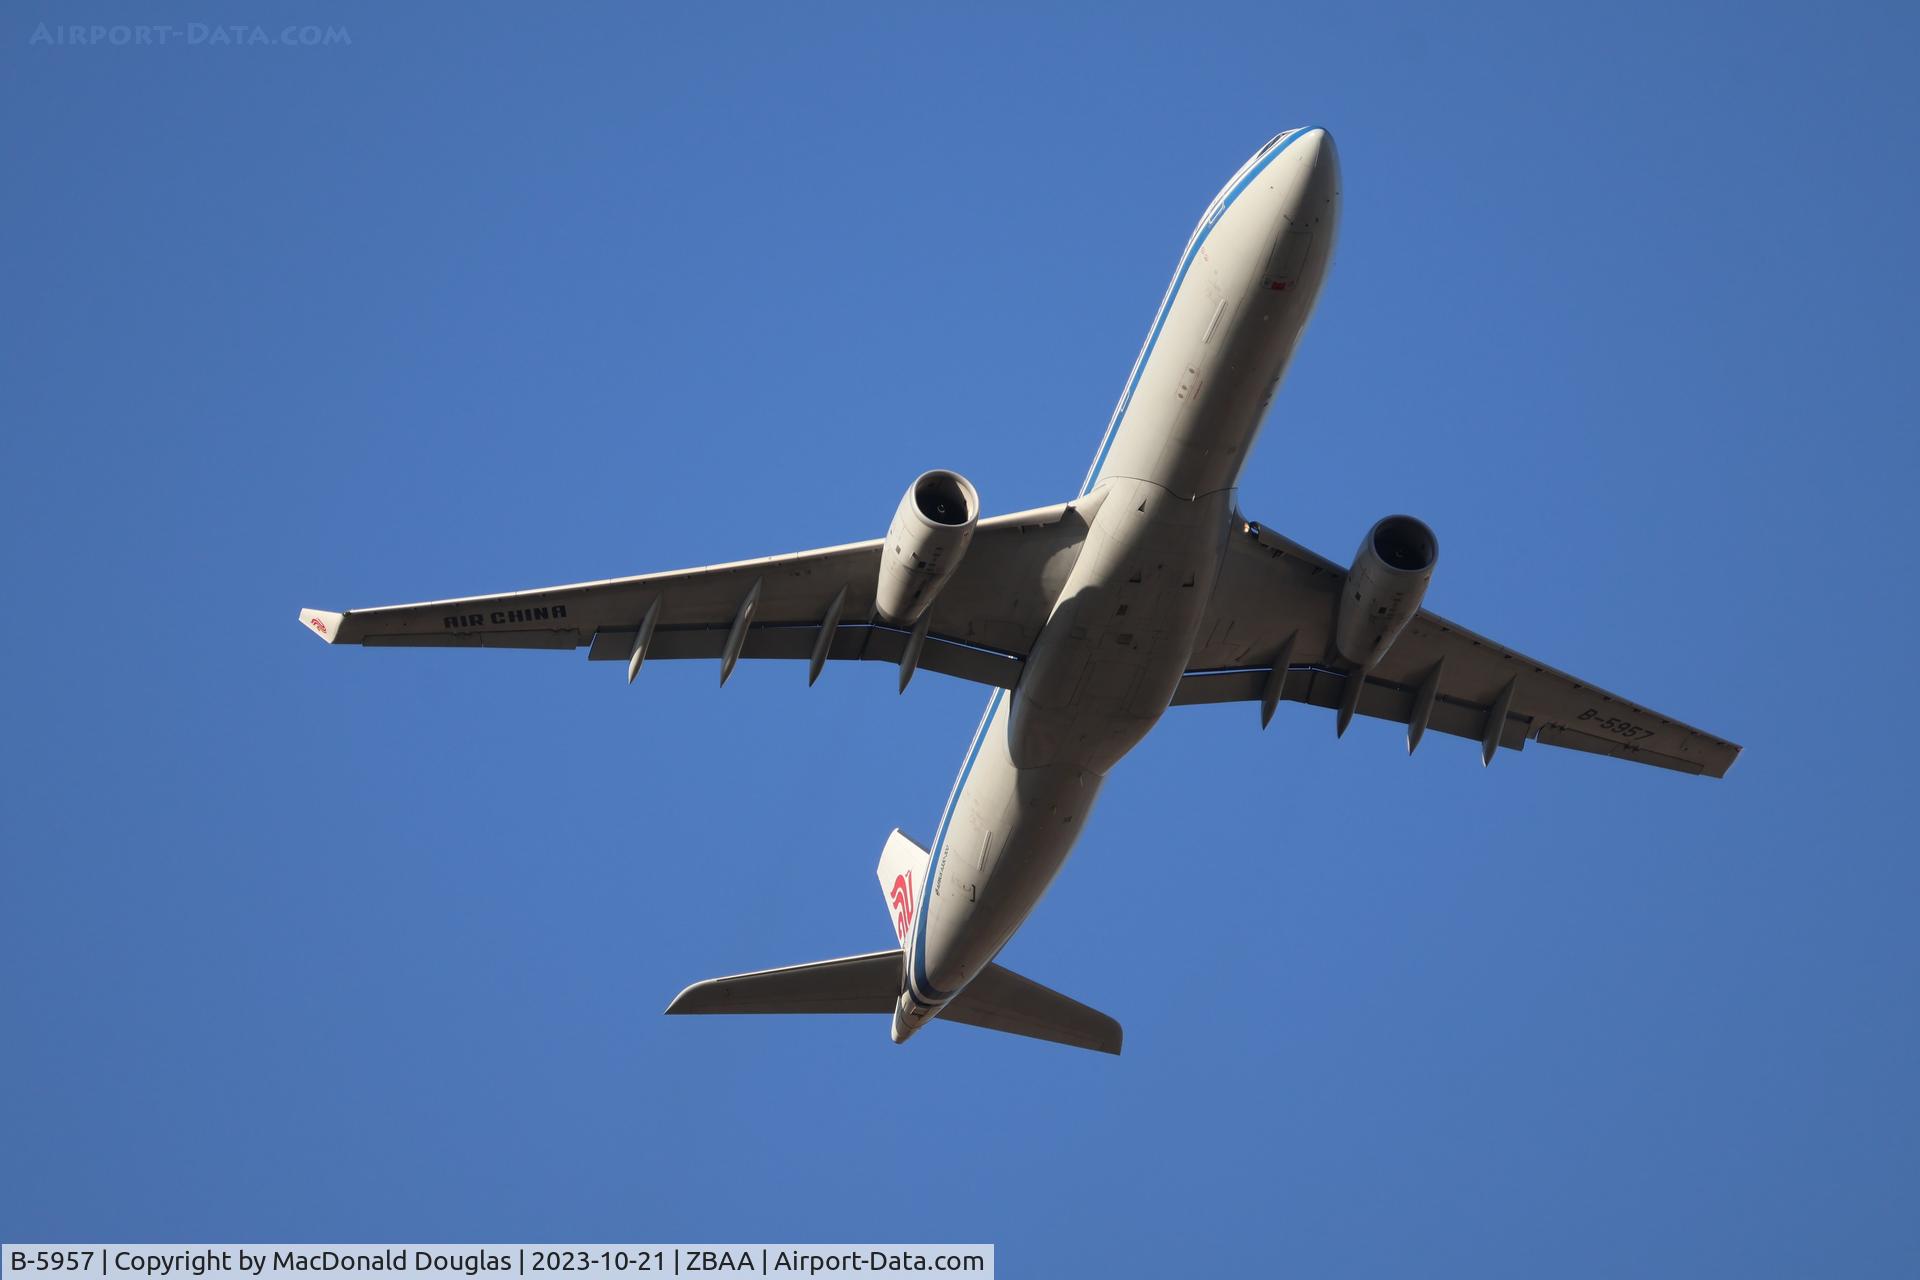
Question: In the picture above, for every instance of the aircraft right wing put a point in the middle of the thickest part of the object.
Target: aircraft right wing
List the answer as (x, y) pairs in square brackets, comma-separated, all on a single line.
[(810, 605), (1275, 604)]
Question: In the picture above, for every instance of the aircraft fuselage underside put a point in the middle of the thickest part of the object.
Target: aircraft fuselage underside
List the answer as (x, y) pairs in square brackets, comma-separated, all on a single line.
[(1120, 635)]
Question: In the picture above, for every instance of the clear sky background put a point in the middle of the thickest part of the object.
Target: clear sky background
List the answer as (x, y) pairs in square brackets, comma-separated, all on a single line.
[(311, 944)]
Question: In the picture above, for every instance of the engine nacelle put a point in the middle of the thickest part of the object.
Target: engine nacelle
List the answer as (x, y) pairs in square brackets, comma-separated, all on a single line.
[(1384, 589), (929, 535)]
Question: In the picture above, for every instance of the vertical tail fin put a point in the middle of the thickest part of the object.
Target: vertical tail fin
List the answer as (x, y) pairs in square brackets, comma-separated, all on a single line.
[(903, 873)]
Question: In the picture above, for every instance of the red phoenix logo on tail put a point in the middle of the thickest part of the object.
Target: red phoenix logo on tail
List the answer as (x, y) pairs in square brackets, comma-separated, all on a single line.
[(319, 626), (902, 898)]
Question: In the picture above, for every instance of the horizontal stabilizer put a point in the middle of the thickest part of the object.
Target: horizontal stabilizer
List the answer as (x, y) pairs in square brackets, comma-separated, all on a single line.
[(853, 984), (999, 999)]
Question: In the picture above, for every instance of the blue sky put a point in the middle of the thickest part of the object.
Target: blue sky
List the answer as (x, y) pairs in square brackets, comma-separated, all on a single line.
[(304, 944)]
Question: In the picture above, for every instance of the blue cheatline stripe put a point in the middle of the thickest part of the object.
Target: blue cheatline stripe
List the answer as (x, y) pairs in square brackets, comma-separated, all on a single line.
[(1166, 303), (923, 991)]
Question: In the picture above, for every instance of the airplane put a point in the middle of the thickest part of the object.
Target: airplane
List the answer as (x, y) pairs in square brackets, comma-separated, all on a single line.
[(1087, 620)]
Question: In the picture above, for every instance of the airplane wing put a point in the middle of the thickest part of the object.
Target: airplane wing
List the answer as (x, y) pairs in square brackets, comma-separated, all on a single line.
[(984, 620), (1277, 598)]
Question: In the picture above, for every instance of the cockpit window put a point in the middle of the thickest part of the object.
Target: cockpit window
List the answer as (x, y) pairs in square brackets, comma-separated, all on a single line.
[(1273, 142)]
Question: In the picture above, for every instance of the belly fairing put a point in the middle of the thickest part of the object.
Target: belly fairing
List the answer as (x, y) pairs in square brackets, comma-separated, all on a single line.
[(1107, 663)]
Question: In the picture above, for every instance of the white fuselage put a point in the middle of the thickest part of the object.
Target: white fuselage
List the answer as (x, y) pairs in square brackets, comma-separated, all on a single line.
[(1160, 501)]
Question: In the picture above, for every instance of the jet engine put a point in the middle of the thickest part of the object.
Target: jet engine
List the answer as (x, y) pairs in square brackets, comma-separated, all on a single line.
[(1383, 589), (929, 535)]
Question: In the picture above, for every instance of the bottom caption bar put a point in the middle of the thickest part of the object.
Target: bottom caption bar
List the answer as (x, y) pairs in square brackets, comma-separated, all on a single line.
[(548, 1261)]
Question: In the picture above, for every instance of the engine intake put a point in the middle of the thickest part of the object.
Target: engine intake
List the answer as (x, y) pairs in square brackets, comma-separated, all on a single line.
[(929, 535), (1384, 589)]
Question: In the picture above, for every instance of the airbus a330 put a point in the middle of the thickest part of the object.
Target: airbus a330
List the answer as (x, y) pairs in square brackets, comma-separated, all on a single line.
[(1087, 620)]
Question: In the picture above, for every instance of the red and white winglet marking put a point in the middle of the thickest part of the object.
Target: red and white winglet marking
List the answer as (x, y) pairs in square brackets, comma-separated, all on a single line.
[(321, 623)]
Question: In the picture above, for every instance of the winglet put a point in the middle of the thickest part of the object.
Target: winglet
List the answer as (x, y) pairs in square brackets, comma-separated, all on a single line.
[(321, 623)]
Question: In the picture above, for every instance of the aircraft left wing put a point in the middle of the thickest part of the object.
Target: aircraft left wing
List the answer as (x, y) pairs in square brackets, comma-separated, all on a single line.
[(809, 605), (1274, 604)]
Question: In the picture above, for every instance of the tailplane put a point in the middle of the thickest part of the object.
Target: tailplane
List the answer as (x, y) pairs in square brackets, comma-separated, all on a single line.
[(999, 999), (852, 984)]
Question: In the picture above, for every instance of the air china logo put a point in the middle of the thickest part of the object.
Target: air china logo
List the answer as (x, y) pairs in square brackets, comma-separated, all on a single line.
[(901, 895), (319, 626)]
